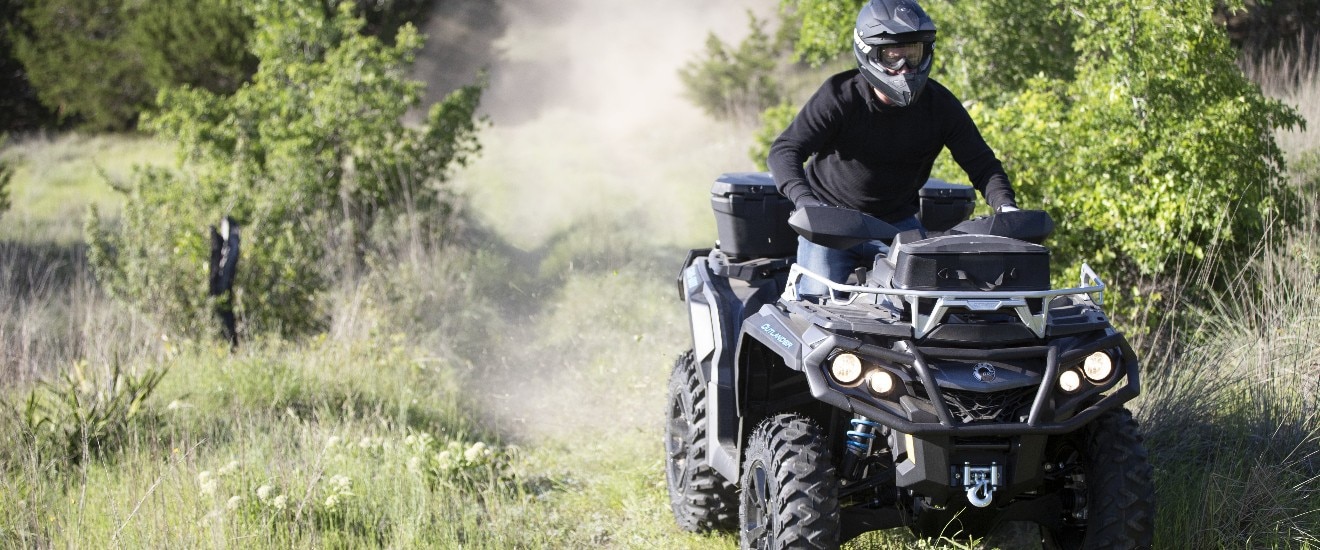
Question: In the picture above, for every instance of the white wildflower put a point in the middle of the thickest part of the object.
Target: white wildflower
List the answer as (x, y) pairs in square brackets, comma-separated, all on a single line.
[(444, 461), (477, 452), (332, 442), (264, 492), (331, 502), (415, 464), (229, 468), (234, 502), (208, 484), (280, 502)]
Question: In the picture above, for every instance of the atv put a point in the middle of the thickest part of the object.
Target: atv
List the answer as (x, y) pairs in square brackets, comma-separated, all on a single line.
[(946, 388)]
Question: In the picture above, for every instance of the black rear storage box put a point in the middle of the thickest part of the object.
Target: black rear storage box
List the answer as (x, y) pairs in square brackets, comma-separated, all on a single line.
[(751, 217), (944, 204), (972, 262)]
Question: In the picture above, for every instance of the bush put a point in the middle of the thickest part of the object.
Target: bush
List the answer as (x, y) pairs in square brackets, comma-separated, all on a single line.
[(85, 414), (308, 158), (735, 83)]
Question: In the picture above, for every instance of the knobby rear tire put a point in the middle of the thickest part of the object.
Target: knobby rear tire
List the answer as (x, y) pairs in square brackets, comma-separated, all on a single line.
[(701, 499)]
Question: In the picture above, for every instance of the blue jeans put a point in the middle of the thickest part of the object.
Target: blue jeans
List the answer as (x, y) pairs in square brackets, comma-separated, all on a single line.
[(836, 264)]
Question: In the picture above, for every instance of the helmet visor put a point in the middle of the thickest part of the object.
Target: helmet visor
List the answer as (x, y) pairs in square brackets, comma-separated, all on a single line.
[(894, 56)]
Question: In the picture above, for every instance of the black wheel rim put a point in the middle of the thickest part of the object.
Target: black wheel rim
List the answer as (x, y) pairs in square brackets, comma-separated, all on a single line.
[(678, 442), (756, 496)]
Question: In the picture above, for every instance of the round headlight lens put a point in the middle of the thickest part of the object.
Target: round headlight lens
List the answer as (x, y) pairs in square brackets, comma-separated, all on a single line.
[(846, 368), (1070, 381), (881, 382), (1098, 366)]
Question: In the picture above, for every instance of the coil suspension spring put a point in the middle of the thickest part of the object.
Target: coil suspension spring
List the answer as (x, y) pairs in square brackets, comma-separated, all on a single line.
[(862, 435), (860, 440)]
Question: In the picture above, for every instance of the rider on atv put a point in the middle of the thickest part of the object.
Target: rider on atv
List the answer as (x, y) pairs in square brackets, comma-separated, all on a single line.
[(872, 134)]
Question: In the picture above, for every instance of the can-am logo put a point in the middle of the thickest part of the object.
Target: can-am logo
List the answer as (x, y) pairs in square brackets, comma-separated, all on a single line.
[(984, 372), (766, 328)]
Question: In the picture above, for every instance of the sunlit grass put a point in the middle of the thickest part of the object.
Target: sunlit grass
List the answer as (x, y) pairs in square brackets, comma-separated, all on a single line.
[(56, 179)]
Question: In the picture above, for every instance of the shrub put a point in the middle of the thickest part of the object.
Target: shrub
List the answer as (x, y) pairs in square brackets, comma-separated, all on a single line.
[(735, 83), (84, 414), (308, 157)]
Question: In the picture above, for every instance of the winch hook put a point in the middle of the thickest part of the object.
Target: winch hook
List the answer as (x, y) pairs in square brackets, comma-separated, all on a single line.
[(981, 494)]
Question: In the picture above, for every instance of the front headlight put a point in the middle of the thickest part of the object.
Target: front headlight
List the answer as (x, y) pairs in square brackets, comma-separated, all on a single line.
[(880, 382), (1098, 367), (846, 368), (1070, 381)]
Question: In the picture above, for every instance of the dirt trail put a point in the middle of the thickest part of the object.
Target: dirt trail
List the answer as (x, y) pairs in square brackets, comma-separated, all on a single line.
[(588, 123)]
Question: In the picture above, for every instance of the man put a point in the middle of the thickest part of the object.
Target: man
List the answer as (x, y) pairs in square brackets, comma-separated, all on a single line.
[(872, 134)]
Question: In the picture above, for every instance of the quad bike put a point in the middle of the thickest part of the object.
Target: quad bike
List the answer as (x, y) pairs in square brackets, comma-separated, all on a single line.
[(947, 388)]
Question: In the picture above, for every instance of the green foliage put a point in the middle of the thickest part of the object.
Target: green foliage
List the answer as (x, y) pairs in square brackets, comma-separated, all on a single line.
[(1129, 122), (827, 27), (193, 43), (80, 59), (85, 414), (22, 109), (102, 61), (735, 83), (308, 157), (991, 48), (773, 122)]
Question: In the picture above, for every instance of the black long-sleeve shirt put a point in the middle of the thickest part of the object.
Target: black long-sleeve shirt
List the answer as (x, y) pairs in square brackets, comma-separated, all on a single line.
[(875, 158)]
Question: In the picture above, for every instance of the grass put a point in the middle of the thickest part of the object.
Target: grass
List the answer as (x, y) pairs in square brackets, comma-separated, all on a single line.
[(55, 179)]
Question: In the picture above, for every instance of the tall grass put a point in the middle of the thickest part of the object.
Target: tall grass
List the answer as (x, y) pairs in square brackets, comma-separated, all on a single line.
[(1293, 77), (1230, 408)]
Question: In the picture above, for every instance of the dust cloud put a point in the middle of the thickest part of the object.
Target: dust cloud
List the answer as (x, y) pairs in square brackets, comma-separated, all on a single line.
[(587, 121), (586, 108)]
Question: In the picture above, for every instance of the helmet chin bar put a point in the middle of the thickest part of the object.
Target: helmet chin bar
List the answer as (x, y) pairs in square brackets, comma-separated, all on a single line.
[(898, 90)]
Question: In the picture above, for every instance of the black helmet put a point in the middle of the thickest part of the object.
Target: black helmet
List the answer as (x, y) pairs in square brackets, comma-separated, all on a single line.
[(895, 44)]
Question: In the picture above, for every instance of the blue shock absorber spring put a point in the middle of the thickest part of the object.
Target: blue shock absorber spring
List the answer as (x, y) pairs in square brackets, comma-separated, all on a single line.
[(862, 434)]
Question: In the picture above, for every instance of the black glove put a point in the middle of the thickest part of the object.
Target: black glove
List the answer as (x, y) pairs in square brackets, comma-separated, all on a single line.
[(807, 200)]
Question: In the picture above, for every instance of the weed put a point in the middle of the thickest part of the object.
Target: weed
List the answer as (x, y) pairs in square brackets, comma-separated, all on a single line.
[(84, 414)]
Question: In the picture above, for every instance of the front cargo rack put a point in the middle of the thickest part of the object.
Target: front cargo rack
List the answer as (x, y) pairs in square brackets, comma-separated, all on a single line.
[(976, 301)]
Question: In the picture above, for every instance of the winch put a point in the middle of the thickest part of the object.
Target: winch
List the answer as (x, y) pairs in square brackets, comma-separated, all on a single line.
[(981, 483)]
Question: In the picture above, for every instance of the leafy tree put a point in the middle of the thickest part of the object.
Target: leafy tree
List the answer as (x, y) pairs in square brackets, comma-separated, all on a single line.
[(101, 62), (735, 83), (80, 62), (18, 101), (309, 157), (198, 43), (1128, 121)]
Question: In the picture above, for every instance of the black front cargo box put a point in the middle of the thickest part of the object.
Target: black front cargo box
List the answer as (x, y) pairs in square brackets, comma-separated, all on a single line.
[(972, 262), (751, 217), (945, 204)]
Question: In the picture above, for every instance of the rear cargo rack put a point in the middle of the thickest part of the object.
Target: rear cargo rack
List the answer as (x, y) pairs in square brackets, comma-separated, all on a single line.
[(1090, 286)]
